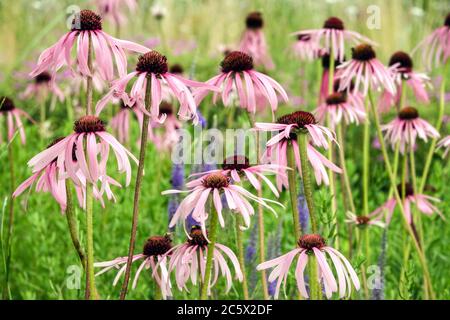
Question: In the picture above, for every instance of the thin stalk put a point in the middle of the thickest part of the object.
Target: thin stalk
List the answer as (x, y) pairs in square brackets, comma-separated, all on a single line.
[(72, 224), (90, 275), (345, 178), (293, 190), (137, 190), (420, 254), (240, 246), (302, 139), (315, 288), (366, 161), (209, 257), (438, 126), (360, 242), (6, 288)]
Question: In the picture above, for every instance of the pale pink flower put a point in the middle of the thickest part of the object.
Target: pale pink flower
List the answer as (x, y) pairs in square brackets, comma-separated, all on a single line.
[(113, 10), (188, 262), (366, 71), (307, 48), (238, 167), (334, 34), (362, 221), (168, 135), (152, 66), (444, 143), (41, 86), (288, 127), (341, 107), (86, 27), (253, 41), (326, 76), (213, 185), (238, 76), (13, 119), (154, 258), (401, 68), (314, 244), (436, 46), (406, 127), (121, 122), (421, 201), (90, 165)]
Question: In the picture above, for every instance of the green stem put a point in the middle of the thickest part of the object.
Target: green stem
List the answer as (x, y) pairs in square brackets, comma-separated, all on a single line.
[(417, 247), (307, 185), (345, 178), (210, 254), (315, 289), (72, 224), (137, 189), (366, 161), (438, 126), (240, 246), (90, 275), (293, 190)]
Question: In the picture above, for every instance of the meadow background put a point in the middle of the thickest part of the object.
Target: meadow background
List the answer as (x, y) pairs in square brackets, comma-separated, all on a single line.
[(42, 252)]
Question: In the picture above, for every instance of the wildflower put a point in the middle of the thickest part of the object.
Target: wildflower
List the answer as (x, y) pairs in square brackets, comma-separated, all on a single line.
[(13, 119), (112, 10), (41, 86), (307, 48), (444, 143), (339, 108), (121, 121), (363, 221)]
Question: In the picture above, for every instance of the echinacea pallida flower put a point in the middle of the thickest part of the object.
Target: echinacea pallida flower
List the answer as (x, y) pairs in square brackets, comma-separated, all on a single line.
[(314, 244), (253, 41), (86, 28), (154, 258), (444, 143), (213, 185), (238, 168), (365, 71), (113, 10), (89, 130), (188, 262), (372, 219), (13, 119), (41, 86), (436, 46), (406, 127), (152, 66), (238, 75), (170, 136), (287, 128), (307, 48), (401, 69), (334, 34), (421, 201), (121, 121)]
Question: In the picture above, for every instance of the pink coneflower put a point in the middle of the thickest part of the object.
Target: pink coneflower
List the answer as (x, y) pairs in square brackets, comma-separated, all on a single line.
[(152, 66), (310, 244), (253, 41), (188, 261), (41, 86), (444, 143), (238, 167), (365, 70), (307, 48), (436, 45), (341, 106), (421, 201), (288, 126), (238, 75), (334, 34), (121, 122), (363, 221), (170, 135), (13, 119), (401, 68), (154, 257), (112, 10), (89, 130), (406, 127), (215, 184), (86, 28), (326, 76)]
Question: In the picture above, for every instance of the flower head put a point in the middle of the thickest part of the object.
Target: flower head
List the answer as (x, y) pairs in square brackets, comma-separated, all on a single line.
[(13, 119), (154, 256), (445, 143), (308, 245), (152, 68), (113, 10), (364, 221), (365, 70), (86, 31), (341, 106), (239, 76), (406, 127), (120, 123), (188, 261), (333, 34), (306, 47)]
